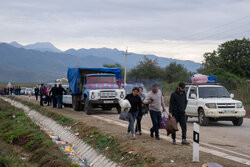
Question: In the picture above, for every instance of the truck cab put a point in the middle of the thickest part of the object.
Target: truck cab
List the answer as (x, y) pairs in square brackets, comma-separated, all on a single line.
[(96, 88), (212, 102)]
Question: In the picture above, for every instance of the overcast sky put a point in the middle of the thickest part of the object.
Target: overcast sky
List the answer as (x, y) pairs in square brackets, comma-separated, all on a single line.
[(182, 29)]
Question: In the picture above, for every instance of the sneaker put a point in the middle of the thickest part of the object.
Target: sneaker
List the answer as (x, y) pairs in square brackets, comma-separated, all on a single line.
[(133, 136), (140, 133), (127, 135), (185, 142), (174, 142), (157, 138)]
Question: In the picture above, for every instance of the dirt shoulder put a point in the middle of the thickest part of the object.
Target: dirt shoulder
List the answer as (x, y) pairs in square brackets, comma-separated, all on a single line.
[(159, 153)]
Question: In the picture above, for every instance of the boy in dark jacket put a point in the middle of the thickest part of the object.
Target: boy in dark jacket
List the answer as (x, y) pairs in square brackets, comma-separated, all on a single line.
[(136, 107), (177, 107)]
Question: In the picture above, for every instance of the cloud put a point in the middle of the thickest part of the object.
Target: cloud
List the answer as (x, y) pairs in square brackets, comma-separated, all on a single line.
[(120, 22)]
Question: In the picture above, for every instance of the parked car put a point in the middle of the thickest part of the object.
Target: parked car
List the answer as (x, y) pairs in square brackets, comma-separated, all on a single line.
[(22, 92), (28, 91), (67, 98), (128, 88), (212, 102)]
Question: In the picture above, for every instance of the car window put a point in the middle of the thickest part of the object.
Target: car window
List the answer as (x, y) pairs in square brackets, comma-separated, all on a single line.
[(193, 90)]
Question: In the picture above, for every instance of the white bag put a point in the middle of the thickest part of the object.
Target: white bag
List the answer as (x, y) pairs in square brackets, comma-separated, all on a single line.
[(124, 104)]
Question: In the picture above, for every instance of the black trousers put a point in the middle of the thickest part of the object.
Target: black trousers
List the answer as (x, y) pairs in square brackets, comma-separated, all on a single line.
[(54, 100), (41, 100), (138, 123), (181, 118), (48, 100), (36, 97)]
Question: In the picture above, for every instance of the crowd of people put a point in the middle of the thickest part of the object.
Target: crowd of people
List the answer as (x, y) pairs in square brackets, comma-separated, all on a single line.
[(154, 102), (50, 95), (11, 90)]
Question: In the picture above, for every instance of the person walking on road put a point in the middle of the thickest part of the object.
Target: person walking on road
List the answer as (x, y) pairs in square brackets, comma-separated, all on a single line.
[(177, 107), (42, 94), (48, 96), (140, 114), (53, 94), (59, 93), (156, 105), (136, 107), (37, 92)]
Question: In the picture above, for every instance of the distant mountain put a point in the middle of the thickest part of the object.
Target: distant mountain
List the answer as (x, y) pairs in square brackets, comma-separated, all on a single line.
[(24, 65), (35, 63), (133, 58), (16, 44), (43, 46), (40, 46)]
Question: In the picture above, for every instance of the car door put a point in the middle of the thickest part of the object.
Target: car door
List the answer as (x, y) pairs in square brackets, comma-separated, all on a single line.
[(192, 102)]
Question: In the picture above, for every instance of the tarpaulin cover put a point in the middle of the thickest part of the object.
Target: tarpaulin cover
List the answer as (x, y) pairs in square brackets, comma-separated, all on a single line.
[(74, 77)]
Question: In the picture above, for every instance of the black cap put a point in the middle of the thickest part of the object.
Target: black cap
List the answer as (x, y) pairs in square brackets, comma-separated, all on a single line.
[(182, 85)]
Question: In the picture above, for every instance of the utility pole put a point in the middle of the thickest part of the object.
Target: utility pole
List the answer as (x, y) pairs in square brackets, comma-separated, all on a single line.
[(125, 72)]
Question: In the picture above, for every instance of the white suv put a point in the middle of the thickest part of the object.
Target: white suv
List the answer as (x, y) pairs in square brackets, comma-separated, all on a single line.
[(212, 102)]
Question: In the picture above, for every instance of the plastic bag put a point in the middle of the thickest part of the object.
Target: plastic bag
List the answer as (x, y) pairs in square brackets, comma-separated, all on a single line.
[(171, 125), (124, 115), (124, 104), (164, 118)]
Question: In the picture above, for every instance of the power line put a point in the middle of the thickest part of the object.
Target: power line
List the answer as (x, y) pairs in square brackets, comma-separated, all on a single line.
[(216, 27)]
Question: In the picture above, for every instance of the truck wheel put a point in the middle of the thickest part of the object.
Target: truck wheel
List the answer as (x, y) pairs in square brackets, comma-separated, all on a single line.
[(118, 108), (76, 104), (87, 107), (203, 120), (238, 121)]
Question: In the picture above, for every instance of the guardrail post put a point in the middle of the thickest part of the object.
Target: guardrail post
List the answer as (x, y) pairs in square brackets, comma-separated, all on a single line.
[(196, 136)]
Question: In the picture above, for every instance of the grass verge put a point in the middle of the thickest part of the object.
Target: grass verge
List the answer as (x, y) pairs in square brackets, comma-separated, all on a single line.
[(16, 128), (104, 143)]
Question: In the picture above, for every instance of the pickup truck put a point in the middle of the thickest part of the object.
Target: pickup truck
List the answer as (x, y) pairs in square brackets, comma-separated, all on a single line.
[(95, 88), (212, 102)]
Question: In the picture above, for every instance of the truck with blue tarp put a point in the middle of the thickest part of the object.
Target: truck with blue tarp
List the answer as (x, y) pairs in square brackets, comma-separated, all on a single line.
[(95, 88)]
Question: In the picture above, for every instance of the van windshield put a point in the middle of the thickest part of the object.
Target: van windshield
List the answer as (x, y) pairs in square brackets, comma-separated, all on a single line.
[(213, 92)]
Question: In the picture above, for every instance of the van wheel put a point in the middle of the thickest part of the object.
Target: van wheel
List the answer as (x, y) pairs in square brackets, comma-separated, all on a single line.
[(87, 107), (203, 120), (238, 121)]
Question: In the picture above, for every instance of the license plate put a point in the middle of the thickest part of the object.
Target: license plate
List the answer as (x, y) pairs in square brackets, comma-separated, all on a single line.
[(108, 102), (229, 112)]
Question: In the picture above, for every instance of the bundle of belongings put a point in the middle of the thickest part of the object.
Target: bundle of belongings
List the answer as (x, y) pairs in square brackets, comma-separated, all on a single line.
[(125, 107), (201, 79)]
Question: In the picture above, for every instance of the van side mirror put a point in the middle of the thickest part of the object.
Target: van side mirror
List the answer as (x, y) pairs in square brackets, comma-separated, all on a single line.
[(193, 96), (232, 95)]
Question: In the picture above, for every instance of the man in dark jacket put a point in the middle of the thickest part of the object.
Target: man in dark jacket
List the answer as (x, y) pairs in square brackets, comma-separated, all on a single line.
[(59, 93), (177, 107), (136, 107), (53, 92), (37, 92), (42, 94)]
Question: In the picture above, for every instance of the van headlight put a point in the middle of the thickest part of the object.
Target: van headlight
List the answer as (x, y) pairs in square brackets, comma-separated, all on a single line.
[(211, 105), (92, 95), (122, 95), (238, 105)]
